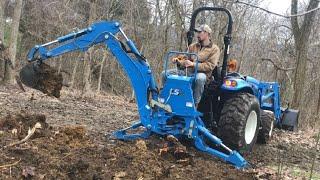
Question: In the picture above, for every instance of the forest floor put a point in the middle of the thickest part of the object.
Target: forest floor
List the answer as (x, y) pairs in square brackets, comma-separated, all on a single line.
[(71, 144)]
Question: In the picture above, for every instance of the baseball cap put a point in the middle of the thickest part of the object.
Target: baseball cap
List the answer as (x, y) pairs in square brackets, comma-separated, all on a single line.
[(203, 27)]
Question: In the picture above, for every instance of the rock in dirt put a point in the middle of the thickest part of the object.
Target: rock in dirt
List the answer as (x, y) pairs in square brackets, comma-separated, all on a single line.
[(42, 77)]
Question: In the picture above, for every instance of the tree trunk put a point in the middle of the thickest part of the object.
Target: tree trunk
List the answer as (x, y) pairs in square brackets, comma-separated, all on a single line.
[(179, 24), (60, 61), (74, 72), (2, 21), (86, 74), (87, 56), (11, 65), (244, 43), (300, 74), (100, 72), (318, 109), (301, 39)]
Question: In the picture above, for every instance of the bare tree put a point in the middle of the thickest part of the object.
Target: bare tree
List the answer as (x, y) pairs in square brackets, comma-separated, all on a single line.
[(301, 38), (2, 28), (2, 21), (100, 71), (10, 65), (87, 56)]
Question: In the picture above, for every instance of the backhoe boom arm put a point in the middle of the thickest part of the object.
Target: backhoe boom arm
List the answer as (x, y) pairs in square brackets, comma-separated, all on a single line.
[(137, 68)]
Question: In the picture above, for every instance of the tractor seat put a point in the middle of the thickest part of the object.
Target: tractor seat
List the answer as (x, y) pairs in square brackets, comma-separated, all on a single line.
[(216, 73)]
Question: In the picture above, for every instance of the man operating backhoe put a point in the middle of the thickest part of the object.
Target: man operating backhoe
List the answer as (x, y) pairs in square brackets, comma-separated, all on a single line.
[(208, 54)]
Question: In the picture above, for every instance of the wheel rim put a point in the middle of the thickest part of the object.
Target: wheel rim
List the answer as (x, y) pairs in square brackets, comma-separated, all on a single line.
[(251, 127)]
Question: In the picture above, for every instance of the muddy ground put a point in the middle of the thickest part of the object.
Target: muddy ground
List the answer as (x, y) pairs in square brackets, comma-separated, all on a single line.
[(71, 144)]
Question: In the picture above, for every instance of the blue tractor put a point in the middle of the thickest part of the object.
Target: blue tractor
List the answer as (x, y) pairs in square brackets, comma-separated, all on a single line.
[(231, 108)]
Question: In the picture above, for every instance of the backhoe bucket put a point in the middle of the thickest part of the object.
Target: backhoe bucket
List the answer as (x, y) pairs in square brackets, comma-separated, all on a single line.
[(42, 77), (289, 120)]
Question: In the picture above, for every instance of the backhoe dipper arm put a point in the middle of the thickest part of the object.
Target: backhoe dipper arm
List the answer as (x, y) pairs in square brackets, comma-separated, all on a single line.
[(137, 68)]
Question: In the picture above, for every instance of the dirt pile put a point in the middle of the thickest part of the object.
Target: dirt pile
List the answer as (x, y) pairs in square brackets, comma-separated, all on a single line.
[(70, 153), (42, 77)]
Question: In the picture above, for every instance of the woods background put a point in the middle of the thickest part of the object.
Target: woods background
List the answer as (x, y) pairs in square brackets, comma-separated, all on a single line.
[(267, 47)]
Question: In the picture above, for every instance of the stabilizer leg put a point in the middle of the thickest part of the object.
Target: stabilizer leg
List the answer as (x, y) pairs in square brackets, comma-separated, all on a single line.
[(233, 157), (122, 134)]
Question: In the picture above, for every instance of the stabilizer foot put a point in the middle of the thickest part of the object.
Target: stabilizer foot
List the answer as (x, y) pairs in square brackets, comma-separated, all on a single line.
[(122, 134), (233, 157)]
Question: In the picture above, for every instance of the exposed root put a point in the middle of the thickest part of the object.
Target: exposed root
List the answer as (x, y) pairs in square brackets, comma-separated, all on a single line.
[(9, 165), (30, 133)]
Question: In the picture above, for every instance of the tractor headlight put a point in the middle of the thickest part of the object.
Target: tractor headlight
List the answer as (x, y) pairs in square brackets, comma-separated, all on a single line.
[(231, 83)]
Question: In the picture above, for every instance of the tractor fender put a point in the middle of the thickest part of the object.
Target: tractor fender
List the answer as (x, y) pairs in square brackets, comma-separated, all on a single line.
[(240, 86)]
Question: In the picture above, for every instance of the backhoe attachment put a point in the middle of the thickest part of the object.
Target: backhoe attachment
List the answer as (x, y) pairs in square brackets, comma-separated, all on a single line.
[(170, 111)]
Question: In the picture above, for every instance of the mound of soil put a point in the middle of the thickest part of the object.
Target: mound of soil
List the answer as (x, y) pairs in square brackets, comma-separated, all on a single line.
[(70, 153), (42, 77)]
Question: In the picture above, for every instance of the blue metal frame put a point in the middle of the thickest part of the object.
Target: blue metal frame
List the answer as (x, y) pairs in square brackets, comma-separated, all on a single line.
[(269, 98), (171, 53), (176, 94)]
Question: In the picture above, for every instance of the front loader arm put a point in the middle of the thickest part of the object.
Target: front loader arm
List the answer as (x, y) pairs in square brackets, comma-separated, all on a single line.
[(136, 67)]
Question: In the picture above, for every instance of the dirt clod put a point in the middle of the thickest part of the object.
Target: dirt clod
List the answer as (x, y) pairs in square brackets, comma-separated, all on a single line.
[(42, 77)]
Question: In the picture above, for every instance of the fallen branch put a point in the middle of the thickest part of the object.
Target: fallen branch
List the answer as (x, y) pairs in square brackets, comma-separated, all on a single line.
[(9, 165), (30, 133)]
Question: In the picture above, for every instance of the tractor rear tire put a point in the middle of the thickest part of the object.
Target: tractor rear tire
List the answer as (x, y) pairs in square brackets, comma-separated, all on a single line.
[(239, 122), (267, 124)]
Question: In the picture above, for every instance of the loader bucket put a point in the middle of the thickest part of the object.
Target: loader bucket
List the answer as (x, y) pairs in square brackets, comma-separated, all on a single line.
[(42, 77), (289, 120)]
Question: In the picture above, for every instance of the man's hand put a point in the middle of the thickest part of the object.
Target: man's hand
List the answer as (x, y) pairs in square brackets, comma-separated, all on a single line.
[(178, 58), (174, 60), (188, 63)]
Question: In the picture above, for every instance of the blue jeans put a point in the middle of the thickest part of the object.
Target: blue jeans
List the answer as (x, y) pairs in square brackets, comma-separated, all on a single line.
[(200, 81)]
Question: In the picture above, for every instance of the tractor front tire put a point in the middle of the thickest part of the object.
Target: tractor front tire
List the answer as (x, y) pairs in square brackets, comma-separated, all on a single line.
[(267, 124), (239, 122)]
